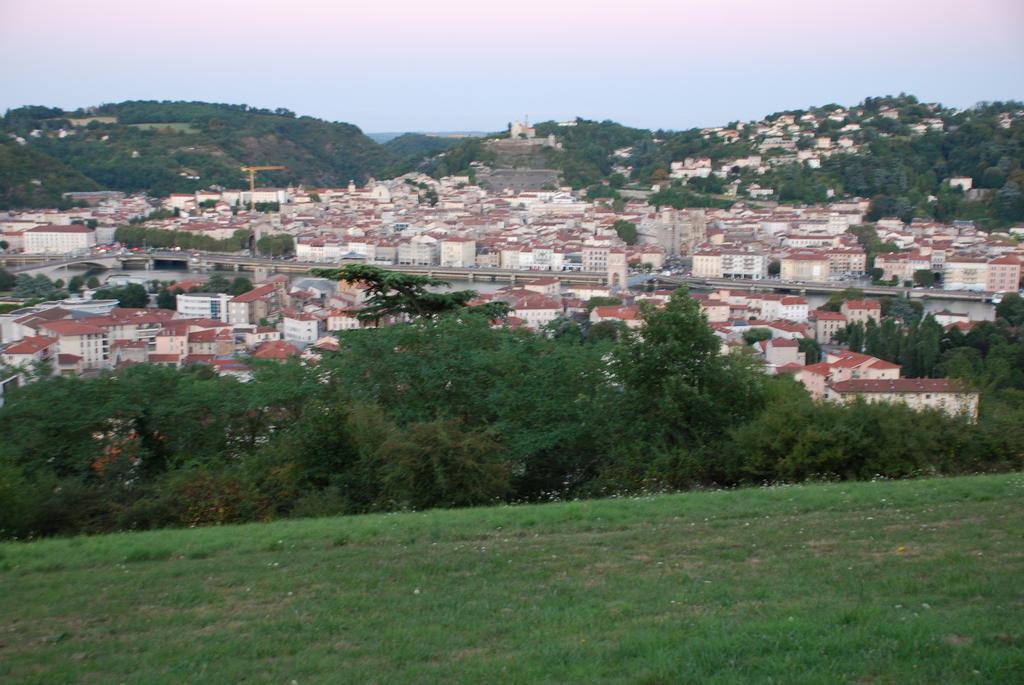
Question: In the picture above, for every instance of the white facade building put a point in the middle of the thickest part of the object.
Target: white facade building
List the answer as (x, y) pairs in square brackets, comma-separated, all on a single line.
[(204, 305), (58, 239)]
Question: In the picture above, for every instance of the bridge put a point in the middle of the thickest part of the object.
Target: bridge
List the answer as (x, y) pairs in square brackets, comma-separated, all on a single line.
[(805, 288), (264, 267)]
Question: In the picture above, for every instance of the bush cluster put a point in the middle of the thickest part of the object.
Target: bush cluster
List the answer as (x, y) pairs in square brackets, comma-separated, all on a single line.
[(448, 411)]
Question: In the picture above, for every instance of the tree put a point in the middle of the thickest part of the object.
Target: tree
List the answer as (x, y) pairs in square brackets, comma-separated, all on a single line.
[(430, 197), (395, 294), (440, 464), (774, 267), (853, 336), (275, 245), (7, 279), (75, 284), (608, 330), (626, 230), (756, 335), (239, 286), (37, 287), (217, 283), (902, 308), (835, 301), (679, 396), (1011, 309), (4, 244), (132, 296), (811, 350), (922, 348), (167, 298), (92, 282), (924, 278)]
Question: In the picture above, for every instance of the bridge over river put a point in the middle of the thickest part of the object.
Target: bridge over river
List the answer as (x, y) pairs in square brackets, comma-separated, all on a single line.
[(263, 267)]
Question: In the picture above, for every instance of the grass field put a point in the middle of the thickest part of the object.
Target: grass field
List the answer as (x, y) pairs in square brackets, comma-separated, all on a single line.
[(887, 582)]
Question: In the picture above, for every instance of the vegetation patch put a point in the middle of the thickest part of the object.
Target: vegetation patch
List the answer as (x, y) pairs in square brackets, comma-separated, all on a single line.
[(170, 127)]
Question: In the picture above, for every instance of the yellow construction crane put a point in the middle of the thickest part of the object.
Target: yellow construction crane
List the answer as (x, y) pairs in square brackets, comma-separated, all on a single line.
[(252, 179)]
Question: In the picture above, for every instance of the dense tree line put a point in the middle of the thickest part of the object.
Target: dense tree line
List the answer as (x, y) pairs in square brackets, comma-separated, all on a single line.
[(142, 236), (446, 410)]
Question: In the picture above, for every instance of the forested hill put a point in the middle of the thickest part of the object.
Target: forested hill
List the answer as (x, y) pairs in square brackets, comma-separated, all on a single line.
[(165, 147), (897, 151), (29, 178)]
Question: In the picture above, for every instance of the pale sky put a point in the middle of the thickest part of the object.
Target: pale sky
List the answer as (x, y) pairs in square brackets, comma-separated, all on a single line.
[(399, 65)]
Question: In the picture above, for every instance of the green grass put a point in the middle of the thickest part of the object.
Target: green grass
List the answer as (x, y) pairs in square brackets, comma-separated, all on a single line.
[(887, 582)]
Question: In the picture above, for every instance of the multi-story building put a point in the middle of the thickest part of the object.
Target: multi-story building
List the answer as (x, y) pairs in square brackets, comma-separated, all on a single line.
[(421, 250), (204, 305), (826, 325), (805, 266), (902, 265), (595, 257), (458, 252), (58, 239), (30, 353), (301, 327), (944, 394), (861, 311), (846, 261), (843, 366), (744, 264), (255, 305), (88, 343), (965, 273), (707, 264), (1003, 274)]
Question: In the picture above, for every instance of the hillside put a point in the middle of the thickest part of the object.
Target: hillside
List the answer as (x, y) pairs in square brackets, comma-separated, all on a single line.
[(165, 147), (897, 151), (30, 178), (882, 582), (416, 147)]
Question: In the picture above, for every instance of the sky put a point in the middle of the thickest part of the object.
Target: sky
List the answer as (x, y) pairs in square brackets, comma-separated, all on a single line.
[(449, 65)]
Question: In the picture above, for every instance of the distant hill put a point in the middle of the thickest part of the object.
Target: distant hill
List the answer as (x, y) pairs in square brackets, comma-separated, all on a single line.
[(165, 147), (416, 147), (31, 179), (895, 150)]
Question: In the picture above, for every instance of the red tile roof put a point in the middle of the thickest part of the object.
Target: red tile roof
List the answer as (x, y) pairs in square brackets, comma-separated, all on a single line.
[(863, 304), (900, 385), (30, 345), (73, 228), (71, 328), (275, 349)]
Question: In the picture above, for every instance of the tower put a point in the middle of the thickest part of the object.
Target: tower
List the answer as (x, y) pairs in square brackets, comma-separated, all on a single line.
[(618, 276)]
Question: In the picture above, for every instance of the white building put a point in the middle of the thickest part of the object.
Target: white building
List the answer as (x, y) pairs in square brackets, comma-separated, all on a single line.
[(301, 327), (204, 306), (458, 252), (742, 264), (52, 239), (421, 250)]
